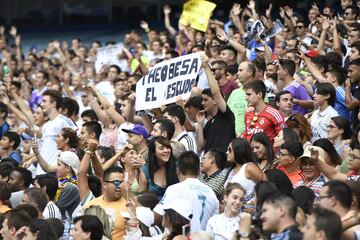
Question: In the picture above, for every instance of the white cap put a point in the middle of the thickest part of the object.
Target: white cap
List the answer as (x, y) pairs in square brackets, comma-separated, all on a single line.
[(182, 207), (307, 153), (71, 159), (143, 214)]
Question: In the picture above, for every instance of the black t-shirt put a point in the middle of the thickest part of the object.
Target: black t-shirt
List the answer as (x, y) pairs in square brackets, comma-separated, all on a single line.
[(220, 130)]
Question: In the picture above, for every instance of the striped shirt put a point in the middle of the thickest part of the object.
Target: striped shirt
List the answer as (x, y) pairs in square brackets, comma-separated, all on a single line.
[(315, 184), (51, 211), (216, 181), (187, 141)]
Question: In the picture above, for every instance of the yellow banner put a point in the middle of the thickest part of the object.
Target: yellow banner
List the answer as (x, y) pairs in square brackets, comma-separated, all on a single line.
[(197, 13)]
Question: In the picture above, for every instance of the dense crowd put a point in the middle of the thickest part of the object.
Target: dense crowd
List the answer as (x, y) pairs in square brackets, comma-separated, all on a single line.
[(266, 147)]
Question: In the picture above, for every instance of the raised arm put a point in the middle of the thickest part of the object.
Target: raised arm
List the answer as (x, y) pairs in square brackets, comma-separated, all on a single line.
[(214, 87), (15, 110), (350, 102), (325, 27), (167, 11), (326, 169), (200, 141), (82, 176), (44, 165)]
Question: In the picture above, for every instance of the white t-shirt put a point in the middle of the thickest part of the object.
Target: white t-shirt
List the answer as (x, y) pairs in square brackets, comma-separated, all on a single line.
[(201, 197), (320, 122), (16, 198), (222, 227), (106, 89), (48, 148), (51, 211)]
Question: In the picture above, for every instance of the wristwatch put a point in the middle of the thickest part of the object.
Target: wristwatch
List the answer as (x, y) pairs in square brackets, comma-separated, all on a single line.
[(242, 234)]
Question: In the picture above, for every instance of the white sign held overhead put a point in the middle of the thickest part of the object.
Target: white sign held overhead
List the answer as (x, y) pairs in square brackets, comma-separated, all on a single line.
[(167, 81)]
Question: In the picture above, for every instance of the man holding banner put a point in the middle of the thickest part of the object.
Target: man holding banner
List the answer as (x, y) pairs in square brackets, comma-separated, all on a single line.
[(220, 127)]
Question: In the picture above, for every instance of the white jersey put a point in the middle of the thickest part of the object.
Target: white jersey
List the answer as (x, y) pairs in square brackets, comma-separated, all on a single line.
[(201, 197), (48, 148), (187, 140), (51, 211)]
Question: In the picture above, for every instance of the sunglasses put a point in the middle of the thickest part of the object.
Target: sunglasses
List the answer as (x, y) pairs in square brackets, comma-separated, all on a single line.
[(300, 27), (116, 183), (253, 121)]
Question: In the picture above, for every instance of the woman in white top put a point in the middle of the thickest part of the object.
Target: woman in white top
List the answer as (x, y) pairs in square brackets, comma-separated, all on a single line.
[(245, 171), (223, 226)]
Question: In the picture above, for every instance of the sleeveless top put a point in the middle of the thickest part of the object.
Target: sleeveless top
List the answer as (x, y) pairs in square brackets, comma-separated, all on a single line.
[(153, 187), (245, 182)]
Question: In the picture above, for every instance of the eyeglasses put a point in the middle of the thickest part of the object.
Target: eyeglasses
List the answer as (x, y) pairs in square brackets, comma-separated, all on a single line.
[(352, 157), (280, 154), (116, 183), (254, 120), (327, 196)]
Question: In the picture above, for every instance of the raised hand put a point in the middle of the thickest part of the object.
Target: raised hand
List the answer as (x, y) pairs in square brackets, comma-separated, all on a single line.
[(205, 60), (167, 9), (289, 11), (220, 33), (268, 11), (251, 4), (314, 153), (236, 9), (56, 44), (13, 31), (144, 25)]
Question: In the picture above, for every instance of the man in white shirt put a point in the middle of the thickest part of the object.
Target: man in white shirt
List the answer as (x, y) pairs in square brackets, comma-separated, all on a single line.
[(201, 197), (177, 115), (50, 104), (106, 87)]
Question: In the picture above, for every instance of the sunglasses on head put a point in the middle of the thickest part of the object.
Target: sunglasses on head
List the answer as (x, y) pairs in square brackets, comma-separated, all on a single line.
[(253, 121)]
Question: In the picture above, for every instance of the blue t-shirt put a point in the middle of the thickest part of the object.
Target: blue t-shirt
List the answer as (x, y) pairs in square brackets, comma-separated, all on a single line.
[(339, 105), (4, 128), (16, 156)]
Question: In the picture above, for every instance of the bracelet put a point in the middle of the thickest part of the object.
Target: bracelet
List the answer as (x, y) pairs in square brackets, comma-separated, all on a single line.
[(89, 152)]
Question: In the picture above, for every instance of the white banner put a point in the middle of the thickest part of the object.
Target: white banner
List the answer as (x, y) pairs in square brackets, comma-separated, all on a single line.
[(167, 81), (108, 56)]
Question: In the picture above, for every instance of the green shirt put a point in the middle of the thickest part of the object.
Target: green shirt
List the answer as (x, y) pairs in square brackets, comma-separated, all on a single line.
[(238, 105)]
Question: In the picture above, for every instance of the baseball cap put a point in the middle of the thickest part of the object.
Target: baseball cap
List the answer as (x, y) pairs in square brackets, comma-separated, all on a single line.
[(182, 207), (307, 153), (143, 214), (138, 130), (71, 159)]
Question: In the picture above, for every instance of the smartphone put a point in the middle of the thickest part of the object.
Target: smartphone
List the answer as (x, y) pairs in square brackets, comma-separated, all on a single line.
[(186, 230), (303, 49)]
